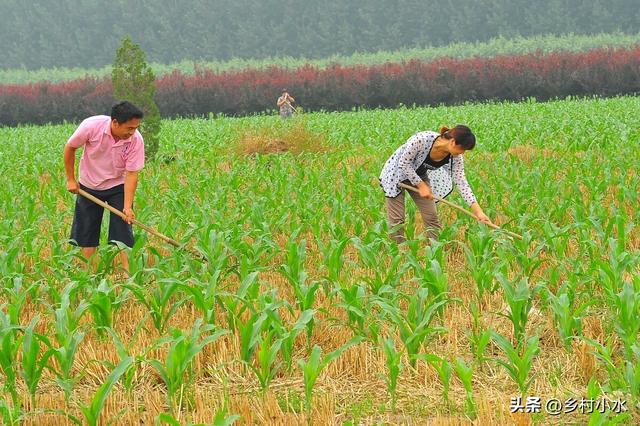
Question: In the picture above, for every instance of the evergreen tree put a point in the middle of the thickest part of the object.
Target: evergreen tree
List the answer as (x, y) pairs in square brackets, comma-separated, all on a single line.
[(134, 81)]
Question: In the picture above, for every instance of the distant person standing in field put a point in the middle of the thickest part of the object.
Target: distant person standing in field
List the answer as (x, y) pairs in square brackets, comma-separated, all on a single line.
[(285, 103), (432, 162), (113, 155)]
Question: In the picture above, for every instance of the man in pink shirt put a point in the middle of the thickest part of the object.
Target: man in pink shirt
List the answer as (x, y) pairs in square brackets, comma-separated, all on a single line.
[(113, 155)]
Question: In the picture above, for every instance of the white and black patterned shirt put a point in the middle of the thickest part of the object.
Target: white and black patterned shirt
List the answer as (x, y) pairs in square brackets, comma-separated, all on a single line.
[(402, 165)]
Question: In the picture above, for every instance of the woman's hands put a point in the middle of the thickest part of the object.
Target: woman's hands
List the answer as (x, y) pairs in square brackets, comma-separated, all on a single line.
[(477, 211), (425, 191)]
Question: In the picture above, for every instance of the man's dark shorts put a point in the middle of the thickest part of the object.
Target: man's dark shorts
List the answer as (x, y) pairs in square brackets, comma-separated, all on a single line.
[(87, 218)]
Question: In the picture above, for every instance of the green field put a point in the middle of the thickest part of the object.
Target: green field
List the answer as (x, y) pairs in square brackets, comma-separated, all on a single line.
[(306, 310), (494, 47)]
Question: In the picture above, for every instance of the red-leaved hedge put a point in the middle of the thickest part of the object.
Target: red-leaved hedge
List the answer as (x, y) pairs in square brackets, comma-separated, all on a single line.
[(604, 72)]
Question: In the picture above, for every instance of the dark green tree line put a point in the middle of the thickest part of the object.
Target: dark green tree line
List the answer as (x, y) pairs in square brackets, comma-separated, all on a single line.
[(71, 33)]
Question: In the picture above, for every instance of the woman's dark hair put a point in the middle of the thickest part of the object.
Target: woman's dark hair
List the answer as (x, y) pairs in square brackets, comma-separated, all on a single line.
[(462, 135), (125, 111)]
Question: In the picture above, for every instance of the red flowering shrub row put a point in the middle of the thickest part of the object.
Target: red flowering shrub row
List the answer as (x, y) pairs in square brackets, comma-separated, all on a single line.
[(603, 72)]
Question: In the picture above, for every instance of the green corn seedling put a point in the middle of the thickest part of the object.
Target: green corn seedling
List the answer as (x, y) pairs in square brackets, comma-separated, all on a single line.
[(204, 296), (158, 300), (68, 336), (567, 316), (519, 359), (249, 333), (465, 374), (266, 359), (432, 277), (313, 366), (625, 317), (101, 303), (10, 344), (443, 367), (124, 351), (92, 411), (519, 295), (415, 325), (332, 254), (10, 415), (183, 348), (33, 361), (288, 337), (393, 360), (481, 262), (17, 295), (355, 303), (478, 338)]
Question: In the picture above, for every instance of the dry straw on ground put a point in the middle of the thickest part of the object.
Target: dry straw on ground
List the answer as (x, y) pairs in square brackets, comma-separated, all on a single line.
[(294, 137)]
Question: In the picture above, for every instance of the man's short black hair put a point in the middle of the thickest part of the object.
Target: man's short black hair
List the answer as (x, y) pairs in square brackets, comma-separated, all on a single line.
[(125, 111)]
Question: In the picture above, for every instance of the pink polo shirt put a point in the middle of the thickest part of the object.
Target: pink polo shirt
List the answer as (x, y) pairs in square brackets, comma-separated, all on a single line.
[(104, 159)]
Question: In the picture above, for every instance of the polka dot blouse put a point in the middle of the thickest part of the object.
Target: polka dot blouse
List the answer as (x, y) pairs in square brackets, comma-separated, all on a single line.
[(403, 163)]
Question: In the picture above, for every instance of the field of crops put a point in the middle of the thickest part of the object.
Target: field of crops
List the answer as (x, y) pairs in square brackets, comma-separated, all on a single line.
[(306, 311), (493, 47)]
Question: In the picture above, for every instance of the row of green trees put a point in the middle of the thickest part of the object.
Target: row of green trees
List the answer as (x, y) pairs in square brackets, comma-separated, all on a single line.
[(39, 33), (494, 47), (134, 80)]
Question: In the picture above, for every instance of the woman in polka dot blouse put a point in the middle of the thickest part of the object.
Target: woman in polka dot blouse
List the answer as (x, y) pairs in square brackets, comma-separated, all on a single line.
[(432, 162)]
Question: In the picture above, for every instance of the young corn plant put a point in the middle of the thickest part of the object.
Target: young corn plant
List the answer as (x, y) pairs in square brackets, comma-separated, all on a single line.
[(355, 301), (333, 259), (623, 374), (432, 277), (520, 296), (91, 412), (294, 272), (9, 266), (519, 359), (479, 254), (625, 318), (236, 303), (288, 337), (203, 295), (607, 355), (266, 365), (33, 361), (249, 332), (68, 334), (251, 255), (158, 299), (443, 367), (612, 272), (16, 296), (10, 414), (393, 360), (9, 345), (479, 338), (519, 253), (567, 313), (414, 326), (124, 352), (101, 303), (175, 371), (384, 280), (313, 366), (465, 374), (599, 418)]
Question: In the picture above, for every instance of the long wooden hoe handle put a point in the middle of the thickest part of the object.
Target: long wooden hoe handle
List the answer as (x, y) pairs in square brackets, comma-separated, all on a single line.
[(136, 222), (463, 210)]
